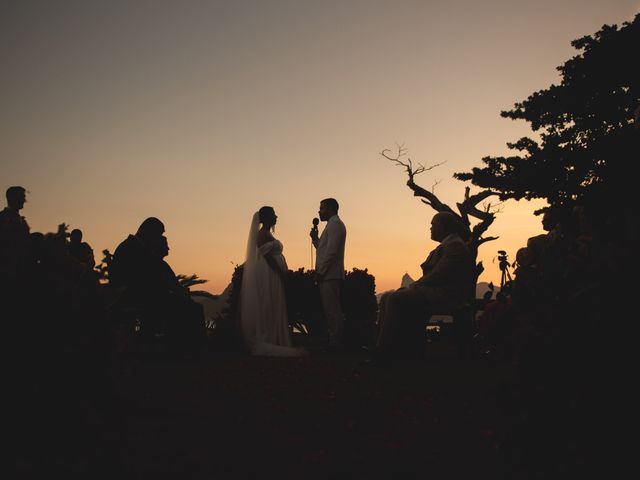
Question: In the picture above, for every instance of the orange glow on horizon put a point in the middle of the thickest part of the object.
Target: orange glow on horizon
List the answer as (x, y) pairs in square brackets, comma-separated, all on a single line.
[(199, 113)]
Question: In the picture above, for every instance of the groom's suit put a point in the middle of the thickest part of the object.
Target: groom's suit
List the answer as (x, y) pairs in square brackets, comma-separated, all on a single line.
[(330, 273), (330, 250)]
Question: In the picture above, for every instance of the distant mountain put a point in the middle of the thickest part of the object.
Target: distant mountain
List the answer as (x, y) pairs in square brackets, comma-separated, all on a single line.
[(404, 282), (481, 287)]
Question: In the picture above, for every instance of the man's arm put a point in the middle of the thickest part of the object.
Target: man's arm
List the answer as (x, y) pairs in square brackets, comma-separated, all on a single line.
[(274, 265), (314, 237), (454, 264)]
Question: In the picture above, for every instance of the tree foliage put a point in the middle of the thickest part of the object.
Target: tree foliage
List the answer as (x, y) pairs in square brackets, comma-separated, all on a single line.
[(587, 140), (188, 281)]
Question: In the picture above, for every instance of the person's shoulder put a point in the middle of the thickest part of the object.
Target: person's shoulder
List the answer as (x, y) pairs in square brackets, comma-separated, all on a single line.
[(8, 214), (456, 247), (455, 242), (127, 244), (127, 241), (337, 221), (165, 265)]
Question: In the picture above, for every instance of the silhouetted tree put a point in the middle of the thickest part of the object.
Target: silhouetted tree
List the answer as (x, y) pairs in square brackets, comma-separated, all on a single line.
[(303, 302), (103, 267), (586, 139), (467, 208), (360, 307), (63, 230)]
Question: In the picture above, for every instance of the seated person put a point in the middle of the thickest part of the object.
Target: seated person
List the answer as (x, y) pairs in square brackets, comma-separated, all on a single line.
[(134, 263), (184, 318), (149, 284), (448, 279)]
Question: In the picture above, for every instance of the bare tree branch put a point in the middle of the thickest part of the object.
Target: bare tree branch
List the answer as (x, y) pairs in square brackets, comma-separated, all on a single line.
[(486, 239), (467, 208), (408, 165)]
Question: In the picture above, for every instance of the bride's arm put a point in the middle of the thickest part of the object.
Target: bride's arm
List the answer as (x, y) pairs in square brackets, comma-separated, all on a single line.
[(266, 237), (274, 265)]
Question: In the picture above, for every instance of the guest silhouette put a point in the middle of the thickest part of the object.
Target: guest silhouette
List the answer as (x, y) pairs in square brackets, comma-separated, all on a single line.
[(149, 284), (14, 233), (80, 250), (183, 318), (134, 262), (448, 276)]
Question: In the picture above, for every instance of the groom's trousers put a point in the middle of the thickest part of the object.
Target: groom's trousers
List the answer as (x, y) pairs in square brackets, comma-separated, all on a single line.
[(332, 307)]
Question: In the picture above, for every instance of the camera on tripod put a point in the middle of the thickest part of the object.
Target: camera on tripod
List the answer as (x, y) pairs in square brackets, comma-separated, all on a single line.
[(502, 258), (504, 268)]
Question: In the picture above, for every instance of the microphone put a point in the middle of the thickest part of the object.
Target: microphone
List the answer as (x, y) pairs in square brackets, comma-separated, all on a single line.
[(314, 236)]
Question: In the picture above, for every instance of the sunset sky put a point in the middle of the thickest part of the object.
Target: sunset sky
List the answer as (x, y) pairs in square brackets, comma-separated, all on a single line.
[(200, 112)]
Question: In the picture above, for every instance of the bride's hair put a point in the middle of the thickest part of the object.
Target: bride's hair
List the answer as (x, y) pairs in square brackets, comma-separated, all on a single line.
[(266, 213)]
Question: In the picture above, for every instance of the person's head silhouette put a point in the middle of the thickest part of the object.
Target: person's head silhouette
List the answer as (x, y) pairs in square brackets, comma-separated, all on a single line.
[(328, 208), (151, 227), (16, 197), (444, 224), (75, 237), (150, 231), (525, 257), (268, 217)]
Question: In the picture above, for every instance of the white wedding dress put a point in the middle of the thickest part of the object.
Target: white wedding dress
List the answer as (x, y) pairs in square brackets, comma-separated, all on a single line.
[(263, 307)]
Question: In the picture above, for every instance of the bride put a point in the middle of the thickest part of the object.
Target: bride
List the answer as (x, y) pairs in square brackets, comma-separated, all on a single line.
[(263, 308)]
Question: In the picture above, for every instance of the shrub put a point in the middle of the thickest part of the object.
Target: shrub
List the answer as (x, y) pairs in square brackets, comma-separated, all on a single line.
[(305, 308)]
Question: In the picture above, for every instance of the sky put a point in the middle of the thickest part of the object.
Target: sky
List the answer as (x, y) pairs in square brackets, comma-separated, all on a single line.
[(201, 112)]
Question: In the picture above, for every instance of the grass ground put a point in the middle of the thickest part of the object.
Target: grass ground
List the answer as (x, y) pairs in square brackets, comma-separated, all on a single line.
[(321, 417)]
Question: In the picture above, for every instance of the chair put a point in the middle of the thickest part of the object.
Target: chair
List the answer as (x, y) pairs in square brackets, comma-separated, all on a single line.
[(138, 330), (462, 320)]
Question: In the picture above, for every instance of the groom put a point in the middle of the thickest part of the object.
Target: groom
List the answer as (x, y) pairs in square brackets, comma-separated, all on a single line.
[(330, 268)]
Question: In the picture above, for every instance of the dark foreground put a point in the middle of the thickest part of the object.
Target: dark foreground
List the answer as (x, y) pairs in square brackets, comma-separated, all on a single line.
[(325, 416)]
